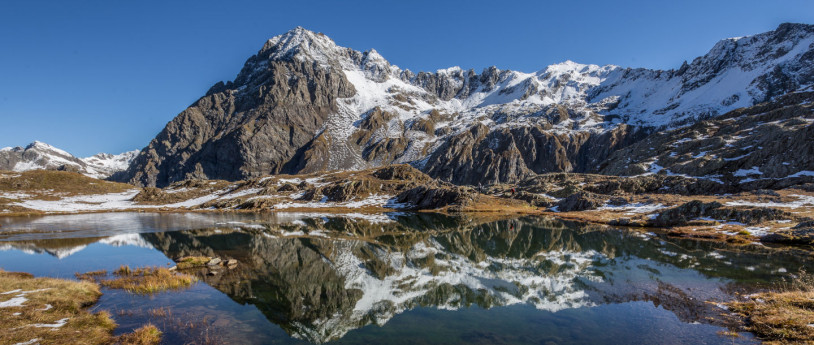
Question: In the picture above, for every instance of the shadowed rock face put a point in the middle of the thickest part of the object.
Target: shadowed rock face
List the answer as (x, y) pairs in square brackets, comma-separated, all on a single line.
[(302, 104), (509, 155), (237, 135)]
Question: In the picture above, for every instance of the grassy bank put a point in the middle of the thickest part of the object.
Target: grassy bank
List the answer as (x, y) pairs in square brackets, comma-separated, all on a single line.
[(55, 311), (50, 311), (782, 316)]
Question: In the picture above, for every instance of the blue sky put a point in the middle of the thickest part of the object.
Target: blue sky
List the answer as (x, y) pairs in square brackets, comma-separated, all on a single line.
[(106, 76)]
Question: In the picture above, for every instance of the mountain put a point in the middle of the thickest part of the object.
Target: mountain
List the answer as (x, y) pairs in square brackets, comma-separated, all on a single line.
[(102, 165), (303, 104), (39, 155), (759, 147)]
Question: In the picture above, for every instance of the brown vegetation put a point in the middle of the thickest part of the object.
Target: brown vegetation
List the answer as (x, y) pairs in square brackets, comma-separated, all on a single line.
[(50, 303), (192, 262), (63, 182), (784, 316), (148, 280), (145, 335)]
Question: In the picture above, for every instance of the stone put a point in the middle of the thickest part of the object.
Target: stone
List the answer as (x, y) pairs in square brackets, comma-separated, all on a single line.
[(429, 197), (682, 214), (581, 201)]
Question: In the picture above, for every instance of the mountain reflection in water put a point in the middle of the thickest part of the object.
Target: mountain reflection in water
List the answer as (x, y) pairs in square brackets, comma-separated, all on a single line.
[(320, 277)]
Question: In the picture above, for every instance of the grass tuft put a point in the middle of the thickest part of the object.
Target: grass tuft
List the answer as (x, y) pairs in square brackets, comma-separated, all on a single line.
[(192, 262), (123, 270), (148, 280), (90, 276), (145, 335)]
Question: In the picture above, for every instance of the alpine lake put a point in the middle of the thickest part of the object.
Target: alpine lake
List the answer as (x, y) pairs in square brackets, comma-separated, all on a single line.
[(404, 278)]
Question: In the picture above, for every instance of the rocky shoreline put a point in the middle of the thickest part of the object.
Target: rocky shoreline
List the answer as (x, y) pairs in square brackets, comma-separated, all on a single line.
[(683, 206)]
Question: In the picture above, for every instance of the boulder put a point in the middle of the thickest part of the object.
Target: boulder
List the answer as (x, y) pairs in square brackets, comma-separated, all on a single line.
[(682, 214), (427, 197), (581, 201)]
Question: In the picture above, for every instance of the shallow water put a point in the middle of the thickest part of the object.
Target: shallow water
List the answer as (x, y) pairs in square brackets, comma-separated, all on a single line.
[(403, 278)]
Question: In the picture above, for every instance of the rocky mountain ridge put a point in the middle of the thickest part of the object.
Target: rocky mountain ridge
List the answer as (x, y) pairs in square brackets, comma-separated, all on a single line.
[(39, 155), (303, 104)]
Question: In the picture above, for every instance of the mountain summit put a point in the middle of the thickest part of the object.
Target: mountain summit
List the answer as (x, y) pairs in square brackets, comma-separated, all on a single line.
[(39, 155), (304, 104)]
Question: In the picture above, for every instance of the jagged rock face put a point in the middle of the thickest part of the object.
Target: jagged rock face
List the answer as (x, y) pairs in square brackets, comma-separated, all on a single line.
[(736, 72), (765, 146), (39, 155), (511, 155), (236, 135), (303, 104), (684, 213)]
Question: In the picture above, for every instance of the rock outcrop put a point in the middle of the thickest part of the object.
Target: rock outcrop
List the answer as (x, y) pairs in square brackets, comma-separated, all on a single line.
[(766, 146), (507, 155), (581, 201), (802, 234), (683, 214)]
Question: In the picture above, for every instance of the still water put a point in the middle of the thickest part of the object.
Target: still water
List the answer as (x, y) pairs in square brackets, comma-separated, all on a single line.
[(403, 278)]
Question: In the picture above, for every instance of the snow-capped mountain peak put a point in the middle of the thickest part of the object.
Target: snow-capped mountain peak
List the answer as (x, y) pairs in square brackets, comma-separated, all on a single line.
[(736, 72), (347, 109), (39, 155), (102, 165), (301, 43), (45, 147)]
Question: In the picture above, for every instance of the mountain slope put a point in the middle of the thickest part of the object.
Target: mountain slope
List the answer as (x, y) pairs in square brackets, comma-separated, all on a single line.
[(103, 165), (39, 155), (303, 104), (764, 146)]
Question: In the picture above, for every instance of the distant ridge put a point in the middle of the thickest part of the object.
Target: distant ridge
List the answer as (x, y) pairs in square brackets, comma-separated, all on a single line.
[(39, 155)]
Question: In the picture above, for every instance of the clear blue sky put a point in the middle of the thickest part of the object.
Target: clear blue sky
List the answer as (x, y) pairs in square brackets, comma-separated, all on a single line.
[(106, 76)]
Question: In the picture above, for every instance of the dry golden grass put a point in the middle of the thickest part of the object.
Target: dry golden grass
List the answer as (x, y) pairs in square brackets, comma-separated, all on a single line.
[(91, 276), (49, 185), (145, 335), (66, 183), (159, 312), (195, 329), (781, 317), (192, 262), (68, 301), (148, 280), (490, 204)]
